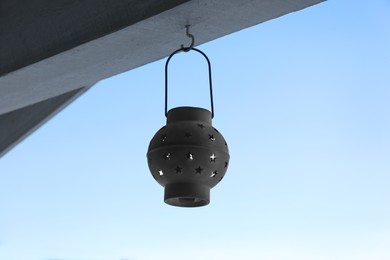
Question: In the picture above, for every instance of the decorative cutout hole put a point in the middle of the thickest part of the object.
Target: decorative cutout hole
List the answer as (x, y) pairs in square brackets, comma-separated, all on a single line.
[(163, 138), (178, 169), (226, 164), (212, 138), (198, 170), (188, 135), (160, 172), (190, 156), (167, 156), (201, 126), (213, 174), (212, 158)]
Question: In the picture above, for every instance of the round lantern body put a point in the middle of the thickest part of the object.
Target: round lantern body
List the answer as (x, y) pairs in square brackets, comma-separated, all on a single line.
[(188, 157)]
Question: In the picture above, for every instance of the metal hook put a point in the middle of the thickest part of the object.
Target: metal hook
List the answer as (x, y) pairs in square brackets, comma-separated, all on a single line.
[(186, 49)]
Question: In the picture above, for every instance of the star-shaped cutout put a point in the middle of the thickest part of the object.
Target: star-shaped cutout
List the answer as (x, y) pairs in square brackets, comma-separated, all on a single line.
[(164, 137), (213, 174), (212, 158), (190, 156), (178, 169), (226, 164), (167, 156), (188, 135), (201, 126), (198, 170), (160, 172), (212, 138)]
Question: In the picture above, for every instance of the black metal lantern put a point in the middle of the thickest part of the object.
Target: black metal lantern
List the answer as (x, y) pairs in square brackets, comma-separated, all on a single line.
[(188, 156)]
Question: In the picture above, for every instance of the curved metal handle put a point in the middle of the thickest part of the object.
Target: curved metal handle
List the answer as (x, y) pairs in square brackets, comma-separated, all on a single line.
[(186, 49)]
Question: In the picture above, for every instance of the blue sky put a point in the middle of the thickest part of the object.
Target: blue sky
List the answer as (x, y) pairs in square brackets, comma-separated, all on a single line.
[(303, 102)]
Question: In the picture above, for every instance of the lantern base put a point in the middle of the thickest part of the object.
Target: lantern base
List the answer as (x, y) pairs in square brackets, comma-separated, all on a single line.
[(187, 195)]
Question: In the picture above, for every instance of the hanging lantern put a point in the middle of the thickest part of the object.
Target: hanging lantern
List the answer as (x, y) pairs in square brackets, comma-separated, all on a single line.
[(188, 156)]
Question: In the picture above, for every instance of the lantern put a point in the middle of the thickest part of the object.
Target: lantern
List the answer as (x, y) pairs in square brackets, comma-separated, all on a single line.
[(188, 156)]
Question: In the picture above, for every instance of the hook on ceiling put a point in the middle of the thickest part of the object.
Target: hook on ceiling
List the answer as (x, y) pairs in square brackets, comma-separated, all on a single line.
[(192, 39)]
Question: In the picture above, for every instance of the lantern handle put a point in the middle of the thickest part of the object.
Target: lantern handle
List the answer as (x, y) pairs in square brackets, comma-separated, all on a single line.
[(186, 49)]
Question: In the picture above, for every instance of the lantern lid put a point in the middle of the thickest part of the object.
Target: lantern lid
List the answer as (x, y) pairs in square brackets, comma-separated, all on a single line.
[(189, 114)]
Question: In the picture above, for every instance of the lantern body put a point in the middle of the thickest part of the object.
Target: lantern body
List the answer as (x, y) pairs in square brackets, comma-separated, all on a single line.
[(188, 157)]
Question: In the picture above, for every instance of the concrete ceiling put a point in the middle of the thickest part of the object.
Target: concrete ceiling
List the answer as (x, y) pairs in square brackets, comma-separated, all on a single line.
[(52, 51)]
